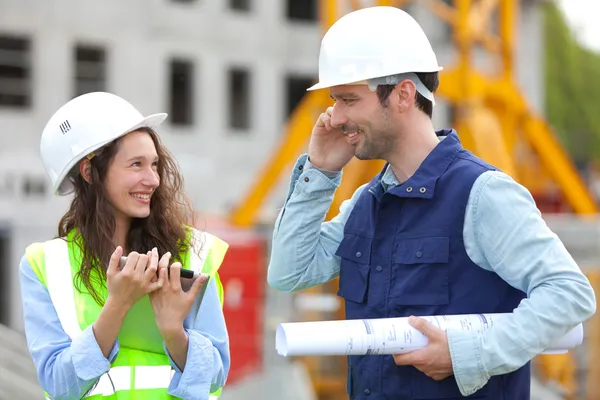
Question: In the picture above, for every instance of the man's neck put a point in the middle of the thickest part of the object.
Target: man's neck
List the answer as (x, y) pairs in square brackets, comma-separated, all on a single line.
[(412, 149)]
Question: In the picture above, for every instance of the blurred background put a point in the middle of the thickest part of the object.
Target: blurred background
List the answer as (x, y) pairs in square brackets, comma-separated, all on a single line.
[(521, 85)]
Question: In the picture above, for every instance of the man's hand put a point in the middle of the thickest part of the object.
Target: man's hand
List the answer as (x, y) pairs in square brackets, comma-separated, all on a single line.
[(434, 359), (328, 148)]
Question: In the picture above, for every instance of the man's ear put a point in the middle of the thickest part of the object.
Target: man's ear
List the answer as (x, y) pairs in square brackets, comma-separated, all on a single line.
[(406, 91), (85, 169)]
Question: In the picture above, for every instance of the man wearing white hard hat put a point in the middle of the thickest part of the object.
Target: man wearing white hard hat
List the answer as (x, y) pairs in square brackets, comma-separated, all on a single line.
[(437, 232), (100, 326)]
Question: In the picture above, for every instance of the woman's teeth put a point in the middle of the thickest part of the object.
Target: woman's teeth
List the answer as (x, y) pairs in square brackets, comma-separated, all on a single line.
[(141, 196)]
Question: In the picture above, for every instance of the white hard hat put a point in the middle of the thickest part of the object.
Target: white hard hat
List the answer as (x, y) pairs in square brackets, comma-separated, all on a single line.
[(373, 42), (83, 125)]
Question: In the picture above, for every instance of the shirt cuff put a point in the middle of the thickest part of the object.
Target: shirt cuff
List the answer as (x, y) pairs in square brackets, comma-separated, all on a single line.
[(199, 360), (465, 353), (314, 181), (304, 173), (88, 360), (330, 174)]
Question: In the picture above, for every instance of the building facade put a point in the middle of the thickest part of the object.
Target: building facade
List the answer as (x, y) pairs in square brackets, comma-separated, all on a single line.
[(228, 72)]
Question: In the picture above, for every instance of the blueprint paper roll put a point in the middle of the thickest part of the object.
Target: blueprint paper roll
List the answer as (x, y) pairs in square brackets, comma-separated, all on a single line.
[(386, 335)]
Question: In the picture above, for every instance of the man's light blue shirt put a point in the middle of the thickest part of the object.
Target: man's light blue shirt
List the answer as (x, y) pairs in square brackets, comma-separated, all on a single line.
[(503, 232), (68, 369)]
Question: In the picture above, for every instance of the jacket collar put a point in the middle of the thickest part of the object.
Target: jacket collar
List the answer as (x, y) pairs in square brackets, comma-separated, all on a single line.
[(422, 183)]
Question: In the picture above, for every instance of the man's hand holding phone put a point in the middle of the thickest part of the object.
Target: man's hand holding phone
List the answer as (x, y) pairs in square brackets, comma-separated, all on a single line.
[(329, 148)]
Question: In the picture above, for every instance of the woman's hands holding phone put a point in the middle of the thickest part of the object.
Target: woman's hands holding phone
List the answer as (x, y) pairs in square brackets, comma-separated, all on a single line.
[(136, 279)]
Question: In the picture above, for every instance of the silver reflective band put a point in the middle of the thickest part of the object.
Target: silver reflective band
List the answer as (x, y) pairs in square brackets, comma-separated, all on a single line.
[(119, 378), (156, 377), (395, 79), (145, 377), (59, 282)]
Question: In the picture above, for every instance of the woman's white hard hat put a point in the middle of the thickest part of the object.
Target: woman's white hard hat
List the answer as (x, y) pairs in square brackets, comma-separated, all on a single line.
[(83, 125)]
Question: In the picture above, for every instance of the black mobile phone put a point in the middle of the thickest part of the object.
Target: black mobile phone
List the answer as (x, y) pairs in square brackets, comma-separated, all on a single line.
[(185, 273)]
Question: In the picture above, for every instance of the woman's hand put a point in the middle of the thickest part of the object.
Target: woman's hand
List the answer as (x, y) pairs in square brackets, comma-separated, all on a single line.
[(127, 286), (171, 304)]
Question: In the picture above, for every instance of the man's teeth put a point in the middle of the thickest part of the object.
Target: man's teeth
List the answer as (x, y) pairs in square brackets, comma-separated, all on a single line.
[(352, 134), (141, 196)]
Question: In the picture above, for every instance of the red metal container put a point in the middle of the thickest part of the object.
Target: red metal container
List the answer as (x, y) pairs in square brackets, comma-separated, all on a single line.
[(243, 276)]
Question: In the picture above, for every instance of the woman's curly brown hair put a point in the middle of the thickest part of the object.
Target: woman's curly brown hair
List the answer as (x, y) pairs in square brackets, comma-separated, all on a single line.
[(91, 215)]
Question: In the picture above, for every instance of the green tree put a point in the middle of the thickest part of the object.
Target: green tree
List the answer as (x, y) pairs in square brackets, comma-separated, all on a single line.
[(572, 79)]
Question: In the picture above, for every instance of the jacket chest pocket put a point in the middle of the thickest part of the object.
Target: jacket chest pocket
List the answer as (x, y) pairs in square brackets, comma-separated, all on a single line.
[(355, 254), (420, 271)]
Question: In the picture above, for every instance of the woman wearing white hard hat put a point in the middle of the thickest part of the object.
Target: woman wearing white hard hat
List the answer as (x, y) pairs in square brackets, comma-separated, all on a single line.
[(99, 327)]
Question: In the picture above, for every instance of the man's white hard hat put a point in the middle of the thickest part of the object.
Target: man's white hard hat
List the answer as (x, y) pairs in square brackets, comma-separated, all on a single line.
[(83, 125), (373, 42)]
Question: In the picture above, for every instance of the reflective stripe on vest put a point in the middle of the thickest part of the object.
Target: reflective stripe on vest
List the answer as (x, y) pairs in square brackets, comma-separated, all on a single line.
[(119, 378), (198, 258), (60, 285)]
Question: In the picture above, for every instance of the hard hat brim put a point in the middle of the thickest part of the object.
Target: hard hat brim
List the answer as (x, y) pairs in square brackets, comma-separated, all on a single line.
[(151, 121), (318, 86), (361, 80), (64, 187)]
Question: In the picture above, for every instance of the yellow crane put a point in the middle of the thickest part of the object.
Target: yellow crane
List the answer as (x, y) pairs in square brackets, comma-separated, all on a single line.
[(492, 100), (493, 120)]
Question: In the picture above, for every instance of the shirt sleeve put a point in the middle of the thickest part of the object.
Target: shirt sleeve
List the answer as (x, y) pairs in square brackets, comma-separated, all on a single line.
[(208, 357), (504, 232), (304, 246), (65, 369)]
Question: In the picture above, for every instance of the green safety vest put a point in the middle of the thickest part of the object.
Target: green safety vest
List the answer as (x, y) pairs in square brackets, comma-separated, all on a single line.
[(134, 373)]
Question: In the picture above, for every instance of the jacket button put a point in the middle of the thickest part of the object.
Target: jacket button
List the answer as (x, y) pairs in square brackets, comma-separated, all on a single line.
[(419, 254), (379, 268), (367, 392), (422, 190), (358, 254), (306, 179)]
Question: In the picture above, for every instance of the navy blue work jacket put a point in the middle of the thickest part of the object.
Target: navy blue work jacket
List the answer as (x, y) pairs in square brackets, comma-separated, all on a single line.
[(403, 254)]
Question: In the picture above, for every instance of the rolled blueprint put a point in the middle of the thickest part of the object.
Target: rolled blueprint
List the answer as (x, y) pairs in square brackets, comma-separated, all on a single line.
[(386, 335)]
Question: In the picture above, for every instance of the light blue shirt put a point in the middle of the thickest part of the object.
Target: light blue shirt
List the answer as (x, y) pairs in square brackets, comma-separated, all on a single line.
[(503, 232), (68, 369)]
